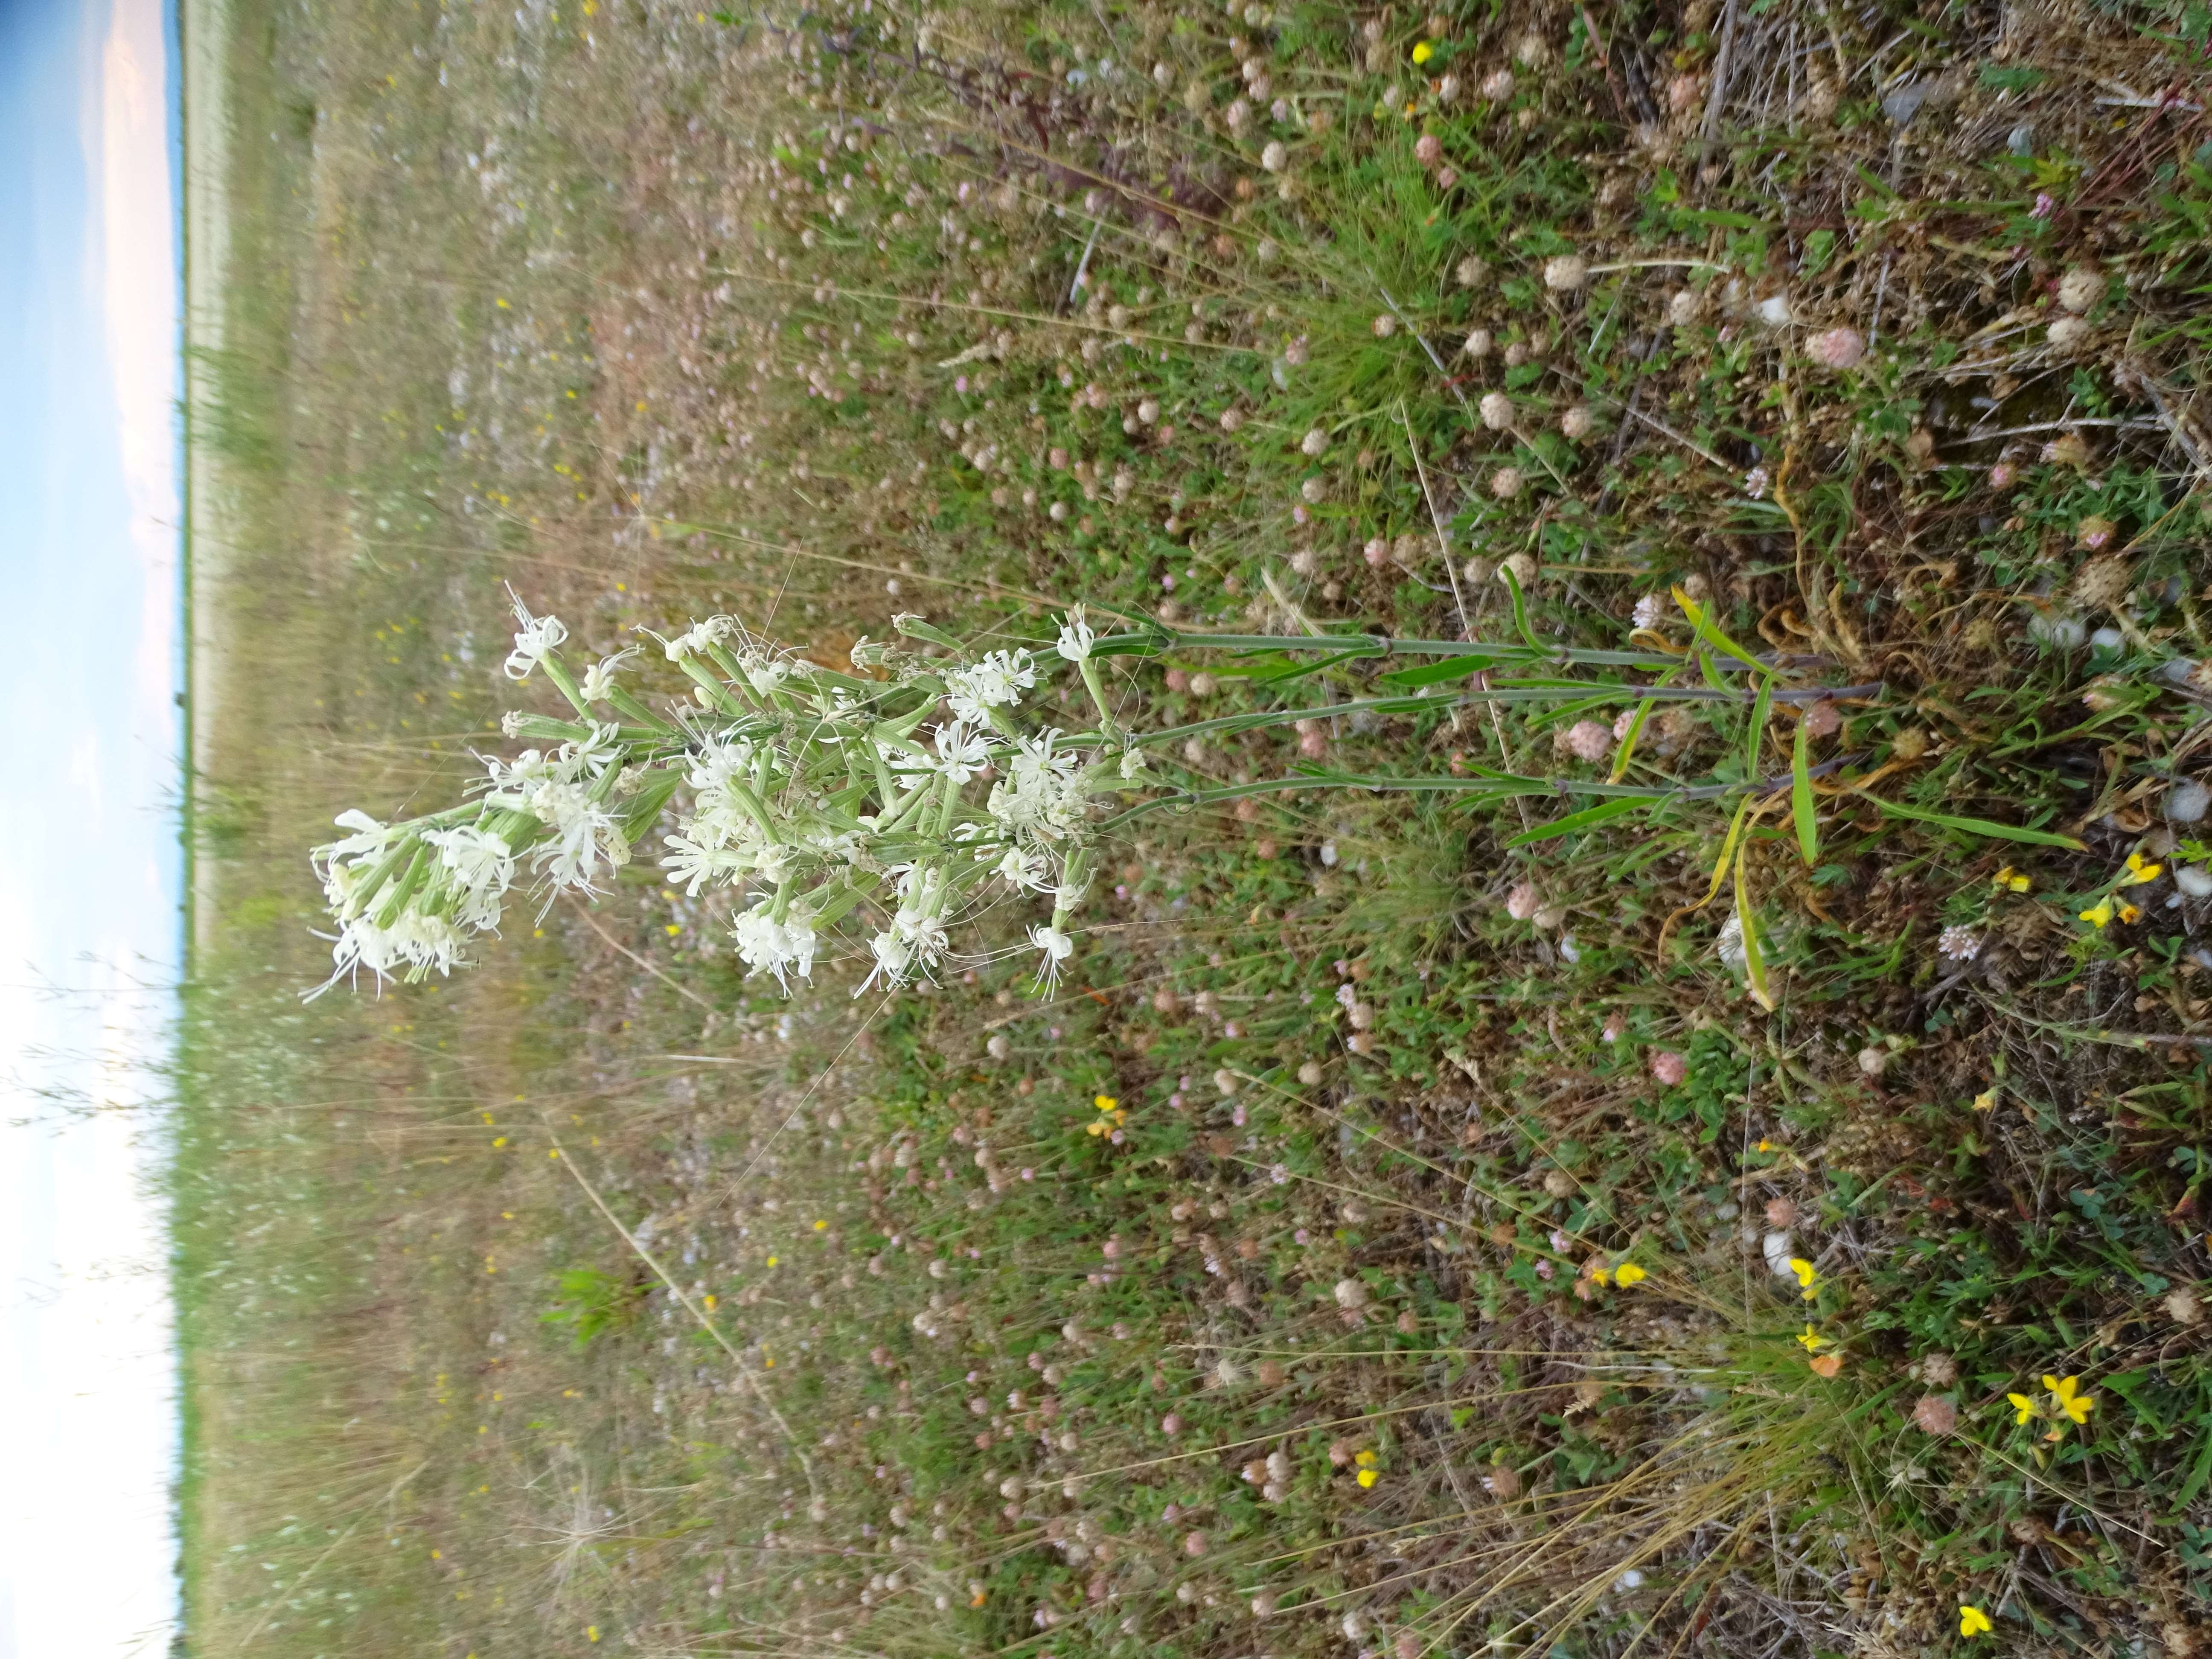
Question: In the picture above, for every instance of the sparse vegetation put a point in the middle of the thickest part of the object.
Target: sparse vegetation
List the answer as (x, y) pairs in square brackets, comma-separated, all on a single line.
[(1722, 1175)]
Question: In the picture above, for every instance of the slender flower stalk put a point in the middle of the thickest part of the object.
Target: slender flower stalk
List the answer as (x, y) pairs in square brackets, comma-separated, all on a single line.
[(851, 815)]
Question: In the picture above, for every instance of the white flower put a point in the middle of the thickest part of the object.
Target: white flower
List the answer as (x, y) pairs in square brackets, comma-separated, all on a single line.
[(766, 674), (719, 760), (995, 681), (370, 839), (482, 866), (695, 641), (694, 864), (1960, 944), (925, 933), (1133, 765), (533, 641), (1056, 947), (1651, 610), (594, 754), (599, 677), (1497, 410), (414, 945), (585, 836), (961, 753), (893, 955), (783, 948), (1075, 637), (1043, 792), (1024, 869)]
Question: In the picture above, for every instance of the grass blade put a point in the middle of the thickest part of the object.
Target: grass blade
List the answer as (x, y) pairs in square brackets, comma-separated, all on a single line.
[(1754, 963), (1627, 749), (1712, 636), (1588, 818), (1801, 799), (1978, 826), (1519, 609)]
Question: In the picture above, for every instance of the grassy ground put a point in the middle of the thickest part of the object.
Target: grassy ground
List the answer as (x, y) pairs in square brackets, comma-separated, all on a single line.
[(1877, 331)]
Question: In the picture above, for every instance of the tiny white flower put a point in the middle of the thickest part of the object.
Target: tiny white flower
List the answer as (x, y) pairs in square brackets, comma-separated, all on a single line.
[(1132, 766), (533, 641), (997, 681), (1075, 637), (766, 674), (1960, 944), (783, 948), (1024, 869), (599, 677), (961, 752), (1056, 947)]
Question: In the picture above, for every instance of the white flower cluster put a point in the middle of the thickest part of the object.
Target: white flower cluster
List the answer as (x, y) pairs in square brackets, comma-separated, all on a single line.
[(909, 806)]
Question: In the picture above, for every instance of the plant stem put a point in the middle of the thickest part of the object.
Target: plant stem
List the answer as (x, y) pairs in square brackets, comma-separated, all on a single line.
[(1502, 787), (1507, 694), (1378, 645)]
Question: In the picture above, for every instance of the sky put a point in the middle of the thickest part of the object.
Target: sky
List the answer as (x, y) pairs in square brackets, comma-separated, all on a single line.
[(89, 923)]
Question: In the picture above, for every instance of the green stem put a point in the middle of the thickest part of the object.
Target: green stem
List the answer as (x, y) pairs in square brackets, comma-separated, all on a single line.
[(1097, 690), (1503, 786), (559, 676), (631, 707), (1379, 645), (1564, 692), (416, 868)]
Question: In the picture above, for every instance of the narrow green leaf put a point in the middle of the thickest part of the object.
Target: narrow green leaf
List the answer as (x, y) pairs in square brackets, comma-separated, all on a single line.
[(1754, 962), (1712, 635), (1978, 826), (1519, 609), (1754, 739), (1588, 818), (1623, 755), (1801, 800), (1437, 672), (1728, 852)]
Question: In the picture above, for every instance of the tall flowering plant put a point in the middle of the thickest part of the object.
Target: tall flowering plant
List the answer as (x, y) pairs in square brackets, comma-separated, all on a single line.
[(881, 815), (894, 810)]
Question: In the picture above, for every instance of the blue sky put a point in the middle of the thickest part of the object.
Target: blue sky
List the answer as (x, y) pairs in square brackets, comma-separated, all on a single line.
[(89, 934)]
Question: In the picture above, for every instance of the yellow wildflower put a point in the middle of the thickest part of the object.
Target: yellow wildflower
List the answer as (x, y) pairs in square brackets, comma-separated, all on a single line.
[(1097, 1125), (2023, 1408), (1986, 1101), (1602, 1275), (1365, 1460), (1812, 1341), (1104, 1103), (2100, 914), (2139, 870), (2071, 1400), (1422, 52), (1972, 1621), (821, 1226), (1628, 1274), (1368, 1476), (1808, 1281), (2010, 880), (2129, 914)]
